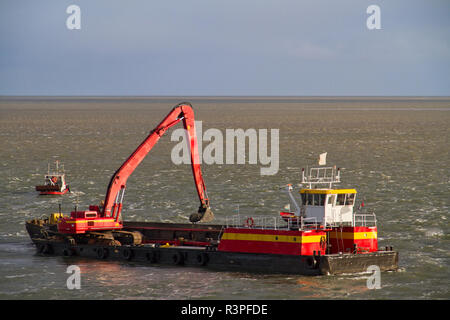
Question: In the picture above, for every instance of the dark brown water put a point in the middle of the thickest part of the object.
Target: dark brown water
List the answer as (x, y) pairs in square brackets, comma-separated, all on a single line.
[(394, 151)]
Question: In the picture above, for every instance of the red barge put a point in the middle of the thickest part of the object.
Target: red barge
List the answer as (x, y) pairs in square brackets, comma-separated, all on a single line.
[(324, 235)]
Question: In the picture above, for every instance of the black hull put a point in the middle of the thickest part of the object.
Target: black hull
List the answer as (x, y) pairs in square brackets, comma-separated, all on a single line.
[(225, 261)]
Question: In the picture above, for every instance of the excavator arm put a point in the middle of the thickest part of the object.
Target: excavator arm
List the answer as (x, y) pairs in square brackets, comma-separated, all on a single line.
[(114, 196)]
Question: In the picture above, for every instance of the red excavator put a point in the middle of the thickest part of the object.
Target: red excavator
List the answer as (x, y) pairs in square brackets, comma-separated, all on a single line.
[(106, 216)]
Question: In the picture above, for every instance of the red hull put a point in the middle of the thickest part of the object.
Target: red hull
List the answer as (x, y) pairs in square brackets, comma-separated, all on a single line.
[(53, 192), (349, 239), (290, 242)]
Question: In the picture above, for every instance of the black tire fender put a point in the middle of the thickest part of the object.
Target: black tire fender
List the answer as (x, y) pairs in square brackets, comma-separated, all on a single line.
[(102, 253), (152, 256), (202, 259), (311, 262), (127, 253), (48, 248), (178, 258), (67, 252), (39, 247)]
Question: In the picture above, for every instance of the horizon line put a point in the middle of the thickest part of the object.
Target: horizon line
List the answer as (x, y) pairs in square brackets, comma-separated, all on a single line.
[(224, 96)]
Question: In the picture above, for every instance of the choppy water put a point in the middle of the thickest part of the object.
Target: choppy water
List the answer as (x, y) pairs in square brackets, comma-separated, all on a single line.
[(394, 151)]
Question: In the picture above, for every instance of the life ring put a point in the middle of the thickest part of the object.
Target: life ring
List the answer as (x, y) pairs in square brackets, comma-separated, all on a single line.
[(127, 254), (249, 222), (202, 259), (54, 179)]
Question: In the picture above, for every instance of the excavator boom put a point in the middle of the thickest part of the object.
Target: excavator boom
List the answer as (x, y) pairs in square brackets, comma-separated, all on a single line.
[(181, 112), (110, 212)]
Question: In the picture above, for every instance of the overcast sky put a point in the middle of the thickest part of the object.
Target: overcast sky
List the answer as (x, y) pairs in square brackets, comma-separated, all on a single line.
[(209, 47)]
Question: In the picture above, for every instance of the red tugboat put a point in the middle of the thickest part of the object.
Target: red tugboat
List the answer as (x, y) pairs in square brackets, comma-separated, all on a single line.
[(322, 236), (54, 182), (323, 225), (332, 211)]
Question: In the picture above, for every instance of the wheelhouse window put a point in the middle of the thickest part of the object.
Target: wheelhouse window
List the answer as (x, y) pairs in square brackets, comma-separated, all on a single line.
[(309, 199), (350, 199), (322, 199), (91, 215), (340, 201), (331, 199), (316, 199), (313, 199)]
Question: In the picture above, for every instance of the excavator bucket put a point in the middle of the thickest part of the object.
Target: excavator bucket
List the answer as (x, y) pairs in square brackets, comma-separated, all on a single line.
[(203, 215)]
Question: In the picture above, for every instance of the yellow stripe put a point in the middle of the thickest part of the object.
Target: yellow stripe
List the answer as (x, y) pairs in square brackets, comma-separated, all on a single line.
[(328, 191), (354, 235), (270, 237), (85, 220)]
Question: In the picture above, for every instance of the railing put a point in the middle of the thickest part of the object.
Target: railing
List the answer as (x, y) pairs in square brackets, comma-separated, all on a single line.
[(364, 220), (271, 222), (310, 223), (256, 222), (322, 175), (298, 223)]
